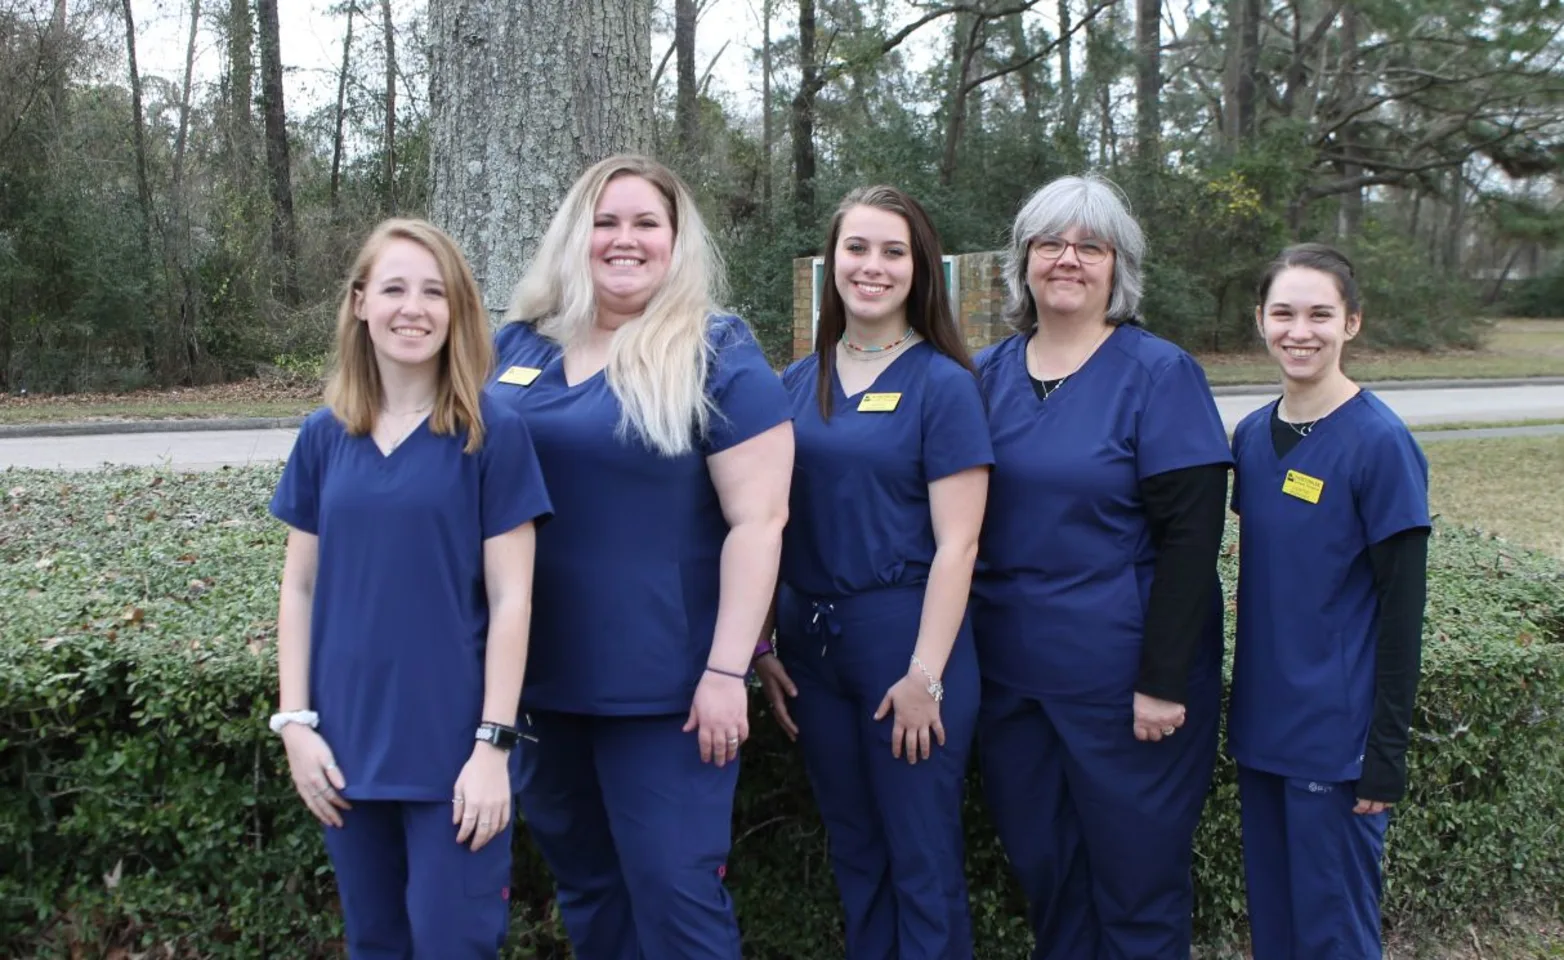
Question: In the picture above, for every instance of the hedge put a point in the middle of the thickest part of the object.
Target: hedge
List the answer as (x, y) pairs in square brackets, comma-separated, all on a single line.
[(143, 805)]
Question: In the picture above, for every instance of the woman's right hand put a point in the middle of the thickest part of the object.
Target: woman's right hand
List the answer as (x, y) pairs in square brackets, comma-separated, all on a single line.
[(775, 682), (315, 773)]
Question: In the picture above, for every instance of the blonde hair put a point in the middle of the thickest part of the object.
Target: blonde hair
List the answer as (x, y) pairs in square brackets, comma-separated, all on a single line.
[(354, 391), (657, 363)]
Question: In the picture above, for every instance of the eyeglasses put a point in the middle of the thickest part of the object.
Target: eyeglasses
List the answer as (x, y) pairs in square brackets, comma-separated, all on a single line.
[(1086, 251)]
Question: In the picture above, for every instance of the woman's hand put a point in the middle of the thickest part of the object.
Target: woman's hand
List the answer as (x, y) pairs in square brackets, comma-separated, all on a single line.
[(721, 714), (775, 682), (917, 725), (1155, 719), (480, 803), (315, 773)]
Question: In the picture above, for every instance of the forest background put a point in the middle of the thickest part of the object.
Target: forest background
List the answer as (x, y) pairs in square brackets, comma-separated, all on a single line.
[(170, 225)]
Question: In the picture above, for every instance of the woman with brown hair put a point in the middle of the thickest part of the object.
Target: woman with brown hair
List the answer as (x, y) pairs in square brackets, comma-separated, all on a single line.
[(875, 674)]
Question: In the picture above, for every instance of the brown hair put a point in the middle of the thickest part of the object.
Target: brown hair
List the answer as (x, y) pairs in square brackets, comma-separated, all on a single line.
[(1314, 256), (928, 302), (354, 391)]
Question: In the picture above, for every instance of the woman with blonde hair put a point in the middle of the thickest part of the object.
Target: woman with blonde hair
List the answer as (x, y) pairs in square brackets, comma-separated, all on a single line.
[(666, 439), (411, 501)]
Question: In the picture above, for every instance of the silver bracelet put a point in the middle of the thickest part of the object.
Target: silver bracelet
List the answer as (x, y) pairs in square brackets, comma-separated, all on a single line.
[(936, 689)]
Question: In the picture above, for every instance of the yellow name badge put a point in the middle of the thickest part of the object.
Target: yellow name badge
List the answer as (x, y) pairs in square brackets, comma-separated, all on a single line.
[(520, 376), (1303, 486), (878, 402)]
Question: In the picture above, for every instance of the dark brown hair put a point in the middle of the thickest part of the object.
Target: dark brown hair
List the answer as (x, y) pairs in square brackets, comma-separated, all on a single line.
[(1314, 256), (928, 302)]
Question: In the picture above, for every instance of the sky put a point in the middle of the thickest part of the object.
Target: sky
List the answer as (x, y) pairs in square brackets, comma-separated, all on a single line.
[(312, 45)]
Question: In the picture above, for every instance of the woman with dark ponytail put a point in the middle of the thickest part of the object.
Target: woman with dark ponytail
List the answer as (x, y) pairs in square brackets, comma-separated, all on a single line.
[(1333, 494)]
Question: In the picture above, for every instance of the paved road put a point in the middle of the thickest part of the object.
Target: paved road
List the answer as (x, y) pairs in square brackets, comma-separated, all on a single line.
[(1424, 407), (206, 450)]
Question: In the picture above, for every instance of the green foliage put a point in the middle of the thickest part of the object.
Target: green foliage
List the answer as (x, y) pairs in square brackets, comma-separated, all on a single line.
[(1407, 304), (142, 802)]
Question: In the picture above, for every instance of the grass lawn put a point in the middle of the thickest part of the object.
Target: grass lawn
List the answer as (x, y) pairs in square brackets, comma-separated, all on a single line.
[(1515, 348), (250, 398), (1503, 486)]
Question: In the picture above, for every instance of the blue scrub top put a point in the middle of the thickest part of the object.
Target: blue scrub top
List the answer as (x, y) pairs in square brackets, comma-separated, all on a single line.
[(1066, 559), (625, 597), (1303, 663), (858, 517), (401, 617)]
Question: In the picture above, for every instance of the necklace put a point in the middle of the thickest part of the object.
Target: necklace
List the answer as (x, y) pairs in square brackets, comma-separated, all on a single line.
[(397, 442), (1050, 391), (874, 353), (1301, 429)]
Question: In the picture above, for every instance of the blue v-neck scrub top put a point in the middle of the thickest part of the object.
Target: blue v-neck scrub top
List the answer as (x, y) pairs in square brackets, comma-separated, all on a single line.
[(1304, 653), (859, 516), (627, 581), (400, 621), (1066, 558)]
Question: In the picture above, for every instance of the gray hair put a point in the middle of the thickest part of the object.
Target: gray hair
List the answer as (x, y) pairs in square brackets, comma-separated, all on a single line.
[(1098, 207)]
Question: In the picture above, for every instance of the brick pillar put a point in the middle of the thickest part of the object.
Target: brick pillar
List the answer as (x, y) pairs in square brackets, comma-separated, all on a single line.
[(980, 313), (803, 306)]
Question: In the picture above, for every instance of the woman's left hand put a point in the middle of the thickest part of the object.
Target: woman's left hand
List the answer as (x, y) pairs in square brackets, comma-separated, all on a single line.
[(1370, 807), (1155, 719), (721, 714), (918, 725), (481, 800)]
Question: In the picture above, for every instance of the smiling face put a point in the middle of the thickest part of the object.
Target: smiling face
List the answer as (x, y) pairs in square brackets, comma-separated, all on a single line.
[(403, 305), (1305, 324), (874, 266), (1067, 285), (632, 245)]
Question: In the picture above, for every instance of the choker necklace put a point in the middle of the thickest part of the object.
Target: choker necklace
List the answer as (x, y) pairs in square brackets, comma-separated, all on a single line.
[(407, 413), (857, 348)]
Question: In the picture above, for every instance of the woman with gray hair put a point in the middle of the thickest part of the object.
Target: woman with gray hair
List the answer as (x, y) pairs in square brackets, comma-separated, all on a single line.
[(1096, 607)]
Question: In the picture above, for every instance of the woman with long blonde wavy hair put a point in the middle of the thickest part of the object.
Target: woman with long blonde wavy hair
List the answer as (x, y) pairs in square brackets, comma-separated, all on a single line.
[(666, 439)]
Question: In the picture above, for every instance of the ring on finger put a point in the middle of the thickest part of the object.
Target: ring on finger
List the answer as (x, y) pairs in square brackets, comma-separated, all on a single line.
[(1169, 731)]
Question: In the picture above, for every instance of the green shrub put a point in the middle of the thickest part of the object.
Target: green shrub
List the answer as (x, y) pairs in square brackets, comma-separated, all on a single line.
[(143, 804)]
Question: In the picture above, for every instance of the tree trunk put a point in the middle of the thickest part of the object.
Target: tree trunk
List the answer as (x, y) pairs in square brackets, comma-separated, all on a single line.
[(184, 97), (138, 126), (1350, 212), (685, 117), (804, 120), (342, 95), (241, 87), (767, 138), (1148, 79), (388, 197), (1068, 116), (969, 40), (524, 97), (54, 61), (284, 242), (1456, 230)]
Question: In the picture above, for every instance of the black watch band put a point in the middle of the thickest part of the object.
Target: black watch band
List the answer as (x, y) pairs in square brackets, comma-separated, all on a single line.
[(498, 734)]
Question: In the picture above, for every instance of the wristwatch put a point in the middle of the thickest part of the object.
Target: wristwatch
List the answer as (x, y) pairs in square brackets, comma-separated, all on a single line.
[(936, 689), (498, 734)]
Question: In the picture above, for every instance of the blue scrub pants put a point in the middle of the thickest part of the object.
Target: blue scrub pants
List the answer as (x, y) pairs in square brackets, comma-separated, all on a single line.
[(1313, 868), (895, 828), (409, 891), (1099, 827), (636, 831)]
